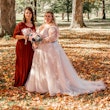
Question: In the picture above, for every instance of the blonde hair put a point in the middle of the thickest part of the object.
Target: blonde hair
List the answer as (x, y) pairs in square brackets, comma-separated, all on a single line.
[(53, 17)]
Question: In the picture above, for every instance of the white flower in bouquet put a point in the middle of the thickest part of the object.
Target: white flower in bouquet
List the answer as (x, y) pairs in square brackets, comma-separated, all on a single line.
[(26, 32), (35, 37)]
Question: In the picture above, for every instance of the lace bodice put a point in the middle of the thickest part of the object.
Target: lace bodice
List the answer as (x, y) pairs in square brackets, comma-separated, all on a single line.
[(49, 31)]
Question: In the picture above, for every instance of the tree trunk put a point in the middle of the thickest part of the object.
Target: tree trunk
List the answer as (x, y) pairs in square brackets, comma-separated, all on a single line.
[(77, 14), (88, 15), (7, 17), (63, 14), (68, 16), (103, 9), (67, 8), (35, 9)]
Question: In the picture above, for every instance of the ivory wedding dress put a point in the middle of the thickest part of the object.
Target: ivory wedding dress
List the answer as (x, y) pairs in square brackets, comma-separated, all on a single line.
[(52, 71)]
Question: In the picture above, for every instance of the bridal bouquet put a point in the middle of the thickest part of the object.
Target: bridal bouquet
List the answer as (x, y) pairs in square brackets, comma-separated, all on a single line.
[(32, 36), (35, 39)]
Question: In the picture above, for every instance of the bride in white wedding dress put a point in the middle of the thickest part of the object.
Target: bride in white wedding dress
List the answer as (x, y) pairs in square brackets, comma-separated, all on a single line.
[(51, 70)]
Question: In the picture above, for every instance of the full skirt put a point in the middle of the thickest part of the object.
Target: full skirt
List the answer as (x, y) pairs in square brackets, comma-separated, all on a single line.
[(53, 72)]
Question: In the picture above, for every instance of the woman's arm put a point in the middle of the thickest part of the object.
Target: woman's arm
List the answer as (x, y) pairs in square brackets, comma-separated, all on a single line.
[(53, 35), (17, 32), (20, 37)]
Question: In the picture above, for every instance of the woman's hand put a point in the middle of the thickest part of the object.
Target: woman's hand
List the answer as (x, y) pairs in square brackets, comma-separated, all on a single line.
[(34, 45), (46, 40), (25, 38)]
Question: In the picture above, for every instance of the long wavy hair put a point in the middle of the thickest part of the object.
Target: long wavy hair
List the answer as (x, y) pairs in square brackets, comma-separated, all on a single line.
[(32, 19)]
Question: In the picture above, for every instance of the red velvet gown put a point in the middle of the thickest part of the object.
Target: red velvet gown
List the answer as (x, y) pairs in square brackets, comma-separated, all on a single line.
[(24, 55)]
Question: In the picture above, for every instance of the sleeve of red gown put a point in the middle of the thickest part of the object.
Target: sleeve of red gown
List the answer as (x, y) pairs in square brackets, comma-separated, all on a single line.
[(17, 30)]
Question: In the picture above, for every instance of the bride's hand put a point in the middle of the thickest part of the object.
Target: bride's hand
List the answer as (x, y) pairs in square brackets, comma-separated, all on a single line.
[(45, 40), (34, 45)]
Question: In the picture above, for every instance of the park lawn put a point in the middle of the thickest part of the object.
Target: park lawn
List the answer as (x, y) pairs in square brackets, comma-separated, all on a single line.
[(88, 51)]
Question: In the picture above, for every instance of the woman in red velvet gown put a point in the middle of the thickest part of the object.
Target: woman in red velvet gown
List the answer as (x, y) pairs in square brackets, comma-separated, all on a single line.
[(24, 52)]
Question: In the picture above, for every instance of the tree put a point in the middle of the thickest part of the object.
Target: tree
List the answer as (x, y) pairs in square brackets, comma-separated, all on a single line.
[(103, 5), (62, 6), (20, 4), (103, 9), (77, 14), (35, 9), (7, 17), (88, 6)]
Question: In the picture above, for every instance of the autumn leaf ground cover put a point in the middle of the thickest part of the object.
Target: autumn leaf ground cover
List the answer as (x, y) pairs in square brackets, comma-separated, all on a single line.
[(89, 52)]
